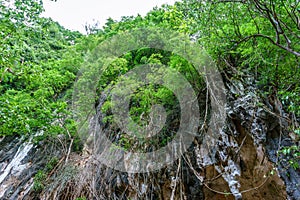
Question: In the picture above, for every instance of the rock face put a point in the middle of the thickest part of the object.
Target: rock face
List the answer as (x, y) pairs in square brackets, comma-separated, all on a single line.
[(20, 159), (12, 166), (242, 163)]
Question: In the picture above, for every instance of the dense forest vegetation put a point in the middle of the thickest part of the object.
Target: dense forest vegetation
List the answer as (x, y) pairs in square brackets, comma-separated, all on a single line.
[(253, 41)]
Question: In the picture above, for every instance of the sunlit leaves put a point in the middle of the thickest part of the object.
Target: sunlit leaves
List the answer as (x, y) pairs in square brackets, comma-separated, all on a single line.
[(34, 68)]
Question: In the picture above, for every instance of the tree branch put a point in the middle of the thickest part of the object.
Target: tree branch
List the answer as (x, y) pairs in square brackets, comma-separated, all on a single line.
[(272, 41)]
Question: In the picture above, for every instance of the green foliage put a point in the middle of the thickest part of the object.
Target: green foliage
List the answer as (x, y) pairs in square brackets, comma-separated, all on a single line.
[(297, 131), (39, 181), (291, 98), (81, 198), (146, 96), (51, 164), (293, 155), (39, 62), (41, 175)]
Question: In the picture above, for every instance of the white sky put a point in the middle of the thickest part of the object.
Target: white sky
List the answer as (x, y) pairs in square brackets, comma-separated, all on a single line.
[(73, 14)]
